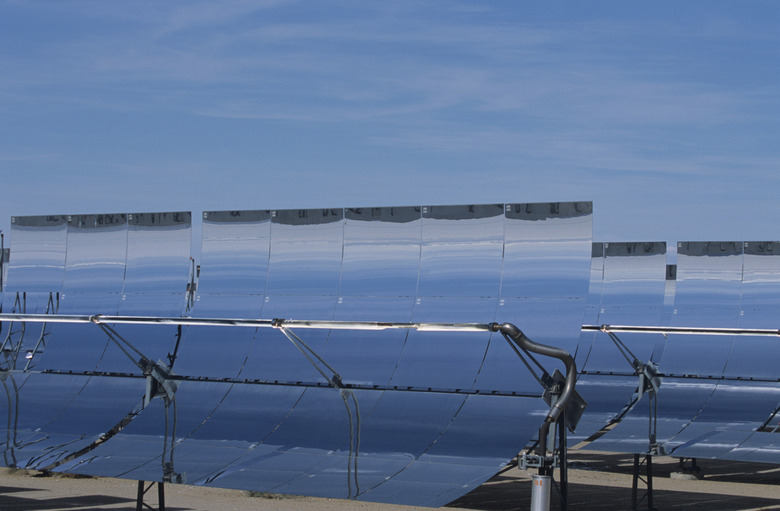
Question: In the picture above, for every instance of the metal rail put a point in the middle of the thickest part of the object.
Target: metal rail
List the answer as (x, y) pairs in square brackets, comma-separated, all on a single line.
[(251, 323), (683, 330)]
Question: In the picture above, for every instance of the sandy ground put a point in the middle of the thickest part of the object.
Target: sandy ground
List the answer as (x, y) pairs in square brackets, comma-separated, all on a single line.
[(597, 481)]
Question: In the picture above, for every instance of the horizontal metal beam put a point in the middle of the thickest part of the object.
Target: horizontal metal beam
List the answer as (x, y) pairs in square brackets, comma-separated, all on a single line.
[(252, 323), (684, 330), (360, 325)]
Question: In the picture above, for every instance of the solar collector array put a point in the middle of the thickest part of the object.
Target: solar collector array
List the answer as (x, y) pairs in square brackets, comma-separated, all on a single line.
[(716, 391), (438, 413), (88, 263)]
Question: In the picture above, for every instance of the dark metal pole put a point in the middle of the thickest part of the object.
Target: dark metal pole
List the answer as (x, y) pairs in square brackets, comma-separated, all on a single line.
[(634, 484), (139, 500), (563, 469), (650, 482)]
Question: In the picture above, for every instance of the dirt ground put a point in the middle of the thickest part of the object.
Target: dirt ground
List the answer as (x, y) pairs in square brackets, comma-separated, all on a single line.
[(597, 481)]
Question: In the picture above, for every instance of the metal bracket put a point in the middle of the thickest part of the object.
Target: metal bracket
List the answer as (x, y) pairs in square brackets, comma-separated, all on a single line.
[(649, 379), (573, 409), (527, 460), (158, 382)]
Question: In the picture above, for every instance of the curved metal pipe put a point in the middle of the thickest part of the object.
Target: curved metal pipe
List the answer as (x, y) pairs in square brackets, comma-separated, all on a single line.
[(511, 332)]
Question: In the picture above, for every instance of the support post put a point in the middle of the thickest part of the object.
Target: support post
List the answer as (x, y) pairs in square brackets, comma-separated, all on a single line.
[(563, 472), (143, 489), (648, 480)]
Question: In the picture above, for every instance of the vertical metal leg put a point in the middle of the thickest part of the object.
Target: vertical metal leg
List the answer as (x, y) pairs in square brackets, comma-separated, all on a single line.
[(139, 499), (648, 480), (142, 490), (634, 483), (563, 470)]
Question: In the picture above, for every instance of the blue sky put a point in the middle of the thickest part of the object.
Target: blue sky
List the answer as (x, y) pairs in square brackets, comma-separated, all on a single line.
[(665, 114)]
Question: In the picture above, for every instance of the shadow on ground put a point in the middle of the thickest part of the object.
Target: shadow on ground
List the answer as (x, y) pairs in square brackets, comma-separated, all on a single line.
[(10, 501), (510, 491)]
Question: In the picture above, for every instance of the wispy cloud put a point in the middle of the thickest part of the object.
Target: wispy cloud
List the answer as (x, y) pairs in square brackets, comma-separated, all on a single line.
[(684, 93)]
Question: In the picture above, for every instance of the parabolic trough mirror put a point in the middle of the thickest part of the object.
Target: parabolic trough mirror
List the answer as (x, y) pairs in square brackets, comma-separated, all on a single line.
[(356, 353)]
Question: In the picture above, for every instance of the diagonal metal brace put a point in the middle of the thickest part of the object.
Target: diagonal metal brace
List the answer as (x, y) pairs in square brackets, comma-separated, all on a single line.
[(158, 382), (567, 392), (334, 378), (649, 380)]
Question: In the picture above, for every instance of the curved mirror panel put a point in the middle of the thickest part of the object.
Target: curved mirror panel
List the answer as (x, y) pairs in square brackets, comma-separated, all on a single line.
[(708, 291), (607, 397), (306, 252), (761, 284), (445, 360), (709, 274), (71, 346), (592, 304), (756, 357), (596, 284), (158, 252), (389, 442), (717, 429), (151, 439), (462, 249), (381, 251), (96, 252), (469, 451), (237, 418), (760, 447), (633, 293), (234, 253), (547, 249), (273, 356), (679, 401), (218, 352), (367, 357), (37, 253), (100, 405)]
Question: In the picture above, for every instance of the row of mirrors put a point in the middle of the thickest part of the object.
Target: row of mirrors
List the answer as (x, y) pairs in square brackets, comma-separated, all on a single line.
[(436, 413)]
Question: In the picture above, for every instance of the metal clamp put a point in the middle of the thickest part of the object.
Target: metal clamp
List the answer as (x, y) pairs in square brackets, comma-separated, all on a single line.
[(527, 460)]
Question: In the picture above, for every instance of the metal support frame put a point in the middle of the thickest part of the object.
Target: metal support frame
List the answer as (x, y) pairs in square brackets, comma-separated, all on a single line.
[(760, 332), (692, 470), (12, 347), (52, 306), (566, 406), (563, 469), (11, 441), (158, 385), (192, 284), (649, 384), (143, 489), (647, 461)]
